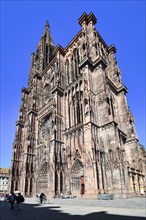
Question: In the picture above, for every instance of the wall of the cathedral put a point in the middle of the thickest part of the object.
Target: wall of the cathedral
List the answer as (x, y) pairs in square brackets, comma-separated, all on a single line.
[(75, 132)]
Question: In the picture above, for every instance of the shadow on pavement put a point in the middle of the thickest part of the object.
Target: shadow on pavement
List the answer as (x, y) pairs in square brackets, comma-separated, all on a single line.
[(41, 212)]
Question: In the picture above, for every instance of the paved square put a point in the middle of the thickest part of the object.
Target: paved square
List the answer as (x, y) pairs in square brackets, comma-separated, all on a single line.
[(78, 209)]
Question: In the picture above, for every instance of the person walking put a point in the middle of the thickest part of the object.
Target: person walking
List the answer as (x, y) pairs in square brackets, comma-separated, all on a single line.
[(12, 199), (19, 200), (42, 197)]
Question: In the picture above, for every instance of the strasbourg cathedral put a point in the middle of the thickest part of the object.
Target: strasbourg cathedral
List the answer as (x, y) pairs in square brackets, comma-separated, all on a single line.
[(75, 133)]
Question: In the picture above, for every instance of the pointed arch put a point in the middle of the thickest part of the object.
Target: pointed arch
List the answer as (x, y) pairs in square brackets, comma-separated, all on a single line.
[(76, 175), (77, 167), (76, 62)]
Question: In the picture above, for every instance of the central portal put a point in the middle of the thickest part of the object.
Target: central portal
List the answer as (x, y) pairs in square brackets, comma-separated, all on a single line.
[(77, 177)]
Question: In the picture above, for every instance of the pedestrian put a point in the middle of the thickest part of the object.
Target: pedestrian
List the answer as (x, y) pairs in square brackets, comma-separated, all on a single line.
[(12, 199), (19, 200), (7, 198), (42, 197)]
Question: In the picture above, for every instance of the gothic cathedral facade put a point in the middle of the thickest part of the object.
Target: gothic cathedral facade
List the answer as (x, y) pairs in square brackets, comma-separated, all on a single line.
[(75, 133)]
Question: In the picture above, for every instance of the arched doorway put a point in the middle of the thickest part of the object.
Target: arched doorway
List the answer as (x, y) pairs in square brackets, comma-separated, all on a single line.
[(42, 180), (77, 178)]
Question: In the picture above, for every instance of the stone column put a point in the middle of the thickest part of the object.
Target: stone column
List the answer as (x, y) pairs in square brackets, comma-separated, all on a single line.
[(109, 181), (136, 184), (13, 184), (51, 183), (70, 69), (128, 182), (28, 186), (123, 189), (71, 110), (67, 107), (95, 177), (100, 178), (100, 175), (133, 183), (58, 173), (105, 179)]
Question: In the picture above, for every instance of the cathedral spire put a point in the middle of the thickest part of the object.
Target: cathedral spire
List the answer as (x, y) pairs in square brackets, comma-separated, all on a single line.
[(47, 33), (47, 25), (44, 52)]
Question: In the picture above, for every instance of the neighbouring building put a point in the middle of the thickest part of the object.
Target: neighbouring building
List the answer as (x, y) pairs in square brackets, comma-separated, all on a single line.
[(75, 133), (4, 180)]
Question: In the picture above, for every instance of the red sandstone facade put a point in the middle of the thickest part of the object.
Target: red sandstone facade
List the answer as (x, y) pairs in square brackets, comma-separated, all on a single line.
[(75, 132)]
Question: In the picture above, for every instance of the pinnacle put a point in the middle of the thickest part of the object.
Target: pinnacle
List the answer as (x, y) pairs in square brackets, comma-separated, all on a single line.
[(47, 24)]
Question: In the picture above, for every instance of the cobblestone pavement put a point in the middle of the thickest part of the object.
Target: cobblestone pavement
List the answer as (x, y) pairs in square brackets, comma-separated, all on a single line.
[(78, 209)]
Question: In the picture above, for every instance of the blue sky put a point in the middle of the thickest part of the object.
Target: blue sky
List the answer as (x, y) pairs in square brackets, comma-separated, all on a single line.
[(121, 23)]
